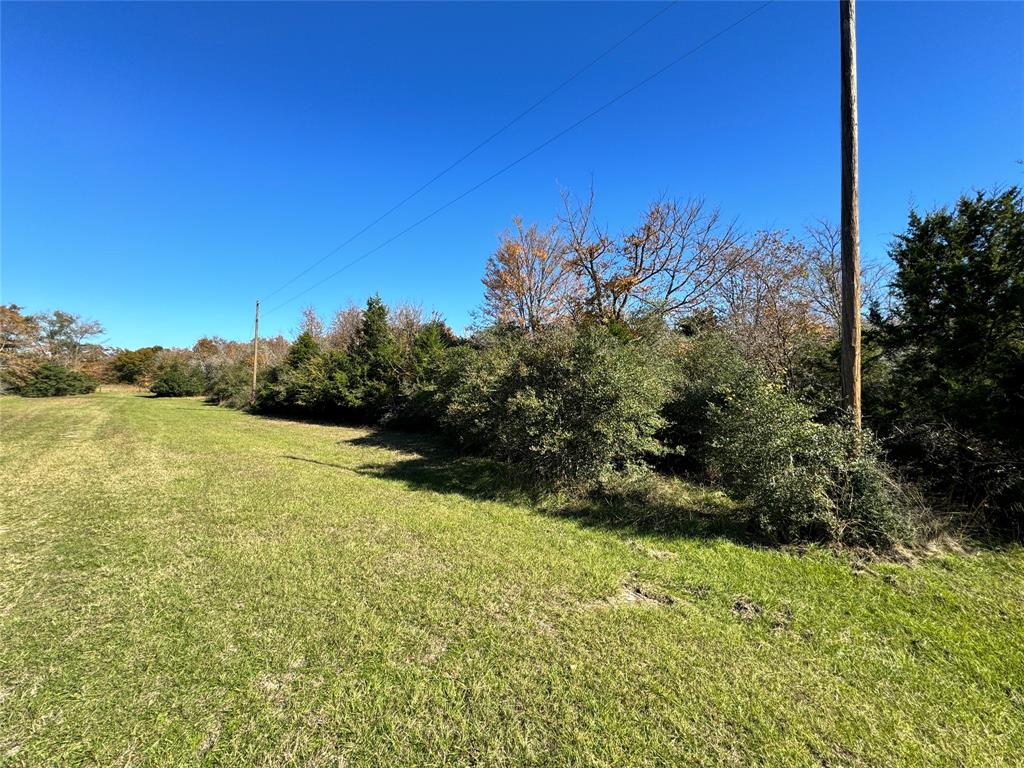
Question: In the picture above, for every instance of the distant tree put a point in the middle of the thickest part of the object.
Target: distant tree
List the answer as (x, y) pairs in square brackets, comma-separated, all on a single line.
[(406, 320), (206, 348), (133, 366), (527, 281), (820, 284), (19, 339), (303, 350), (764, 306), (63, 335), (18, 332)]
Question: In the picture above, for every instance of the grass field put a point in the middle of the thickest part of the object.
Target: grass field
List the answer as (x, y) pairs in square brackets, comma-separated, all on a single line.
[(182, 584)]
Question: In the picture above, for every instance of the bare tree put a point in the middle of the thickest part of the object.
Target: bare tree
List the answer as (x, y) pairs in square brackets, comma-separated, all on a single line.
[(406, 320), (669, 265), (527, 280), (311, 323), (763, 304), (822, 282), (591, 257), (344, 326)]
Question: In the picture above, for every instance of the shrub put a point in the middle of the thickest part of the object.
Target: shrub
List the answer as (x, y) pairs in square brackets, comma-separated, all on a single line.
[(974, 470), (178, 379), (707, 370), (802, 480), (230, 384), (568, 406), (53, 380), (310, 380)]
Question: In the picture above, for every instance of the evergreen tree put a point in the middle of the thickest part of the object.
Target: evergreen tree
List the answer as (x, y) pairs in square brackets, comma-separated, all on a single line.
[(957, 329), (955, 346), (433, 338), (376, 361), (303, 350)]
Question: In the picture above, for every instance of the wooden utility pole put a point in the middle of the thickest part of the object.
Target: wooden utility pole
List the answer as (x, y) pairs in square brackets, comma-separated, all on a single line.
[(255, 350), (849, 360)]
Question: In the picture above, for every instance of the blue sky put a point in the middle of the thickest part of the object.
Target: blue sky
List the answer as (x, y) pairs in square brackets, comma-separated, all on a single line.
[(163, 165)]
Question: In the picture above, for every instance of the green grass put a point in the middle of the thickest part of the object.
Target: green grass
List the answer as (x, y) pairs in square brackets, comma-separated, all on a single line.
[(187, 585)]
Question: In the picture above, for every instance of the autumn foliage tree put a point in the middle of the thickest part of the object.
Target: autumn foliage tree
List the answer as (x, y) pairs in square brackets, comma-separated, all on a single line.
[(60, 338), (528, 282), (135, 366), (18, 355)]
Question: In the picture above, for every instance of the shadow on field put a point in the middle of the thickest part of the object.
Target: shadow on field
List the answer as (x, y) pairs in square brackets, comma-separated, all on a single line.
[(320, 463), (425, 464), (662, 506)]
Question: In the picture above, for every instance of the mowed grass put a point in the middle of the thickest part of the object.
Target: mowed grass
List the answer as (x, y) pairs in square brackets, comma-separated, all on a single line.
[(187, 585)]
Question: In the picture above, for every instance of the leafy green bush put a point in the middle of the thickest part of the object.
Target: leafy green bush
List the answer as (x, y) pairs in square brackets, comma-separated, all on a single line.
[(802, 480), (568, 406), (230, 384), (178, 379), (310, 381), (53, 380), (707, 370)]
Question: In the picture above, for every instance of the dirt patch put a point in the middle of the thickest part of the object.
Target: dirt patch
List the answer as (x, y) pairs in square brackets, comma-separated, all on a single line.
[(638, 593), (697, 591), (862, 568), (435, 649), (782, 619), (746, 609), (208, 741)]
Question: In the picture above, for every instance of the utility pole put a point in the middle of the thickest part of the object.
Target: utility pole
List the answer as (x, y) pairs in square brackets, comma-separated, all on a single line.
[(849, 358), (255, 350)]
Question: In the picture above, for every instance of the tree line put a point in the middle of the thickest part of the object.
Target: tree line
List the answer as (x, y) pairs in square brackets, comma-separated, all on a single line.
[(680, 345)]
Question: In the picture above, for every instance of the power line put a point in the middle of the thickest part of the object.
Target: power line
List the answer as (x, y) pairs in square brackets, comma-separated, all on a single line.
[(707, 41), (475, 149)]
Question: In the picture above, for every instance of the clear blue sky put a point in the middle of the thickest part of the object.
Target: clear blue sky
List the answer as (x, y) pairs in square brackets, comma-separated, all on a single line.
[(166, 164)]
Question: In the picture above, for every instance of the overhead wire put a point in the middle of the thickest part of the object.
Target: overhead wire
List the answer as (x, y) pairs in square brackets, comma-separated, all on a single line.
[(661, 70), (474, 150)]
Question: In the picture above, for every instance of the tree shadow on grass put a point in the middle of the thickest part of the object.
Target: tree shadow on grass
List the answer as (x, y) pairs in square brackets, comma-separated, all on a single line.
[(319, 463), (424, 463), (657, 506)]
